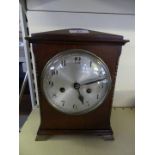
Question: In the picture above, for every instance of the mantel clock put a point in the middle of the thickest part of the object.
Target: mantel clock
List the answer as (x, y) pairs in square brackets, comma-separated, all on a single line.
[(76, 71)]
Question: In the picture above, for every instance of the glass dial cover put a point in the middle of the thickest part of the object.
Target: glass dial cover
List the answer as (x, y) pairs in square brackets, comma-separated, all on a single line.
[(75, 81)]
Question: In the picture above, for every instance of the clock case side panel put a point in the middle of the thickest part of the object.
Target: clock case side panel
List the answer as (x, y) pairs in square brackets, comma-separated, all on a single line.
[(99, 119)]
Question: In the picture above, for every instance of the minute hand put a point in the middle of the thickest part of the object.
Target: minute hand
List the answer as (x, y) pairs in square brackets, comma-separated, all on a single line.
[(92, 81)]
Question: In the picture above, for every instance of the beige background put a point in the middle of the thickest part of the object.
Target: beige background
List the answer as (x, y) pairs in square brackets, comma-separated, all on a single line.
[(113, 16)]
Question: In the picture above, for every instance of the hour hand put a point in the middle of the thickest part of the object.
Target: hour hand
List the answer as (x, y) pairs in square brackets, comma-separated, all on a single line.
[(80, 96), (77, 87)]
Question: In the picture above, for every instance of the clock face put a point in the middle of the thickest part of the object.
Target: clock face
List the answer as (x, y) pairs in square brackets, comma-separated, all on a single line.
[(75, 81)]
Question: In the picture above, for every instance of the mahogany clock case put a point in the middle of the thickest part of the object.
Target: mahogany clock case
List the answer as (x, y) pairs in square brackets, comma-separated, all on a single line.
[(105, 46)]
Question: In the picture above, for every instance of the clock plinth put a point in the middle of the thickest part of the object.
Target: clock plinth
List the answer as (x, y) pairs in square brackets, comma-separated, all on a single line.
[(76, 89), (106, 134)]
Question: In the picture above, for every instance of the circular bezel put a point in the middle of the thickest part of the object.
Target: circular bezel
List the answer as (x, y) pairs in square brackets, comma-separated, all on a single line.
[(73, 51)]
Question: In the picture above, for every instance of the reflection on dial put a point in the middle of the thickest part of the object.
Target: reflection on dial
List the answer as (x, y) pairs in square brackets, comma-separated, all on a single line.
[(75, 81)]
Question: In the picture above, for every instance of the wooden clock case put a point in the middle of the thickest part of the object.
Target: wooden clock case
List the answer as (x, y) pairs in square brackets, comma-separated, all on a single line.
[(106, 46)]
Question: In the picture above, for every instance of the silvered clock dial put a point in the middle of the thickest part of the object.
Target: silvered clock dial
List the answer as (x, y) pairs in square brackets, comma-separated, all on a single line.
[(75, 81)]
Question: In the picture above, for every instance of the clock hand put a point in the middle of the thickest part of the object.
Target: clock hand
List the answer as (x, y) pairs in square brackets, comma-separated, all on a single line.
[(92, 81), (80, 96), (77, 87)]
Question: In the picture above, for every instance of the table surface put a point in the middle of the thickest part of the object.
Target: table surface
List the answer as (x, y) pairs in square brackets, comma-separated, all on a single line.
[(123, 124)]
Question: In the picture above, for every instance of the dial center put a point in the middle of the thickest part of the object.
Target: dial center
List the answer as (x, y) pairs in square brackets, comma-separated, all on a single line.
[(76, 85)]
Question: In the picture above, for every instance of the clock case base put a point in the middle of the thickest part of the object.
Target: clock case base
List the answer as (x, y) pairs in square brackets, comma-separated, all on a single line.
[(106, 134)]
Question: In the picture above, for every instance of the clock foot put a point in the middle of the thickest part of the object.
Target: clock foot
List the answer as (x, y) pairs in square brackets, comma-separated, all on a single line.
[(108, 137), (42, 137)]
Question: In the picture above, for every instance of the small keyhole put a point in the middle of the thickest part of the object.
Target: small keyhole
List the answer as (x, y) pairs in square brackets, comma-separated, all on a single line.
[(89, 90), (62, 90)]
